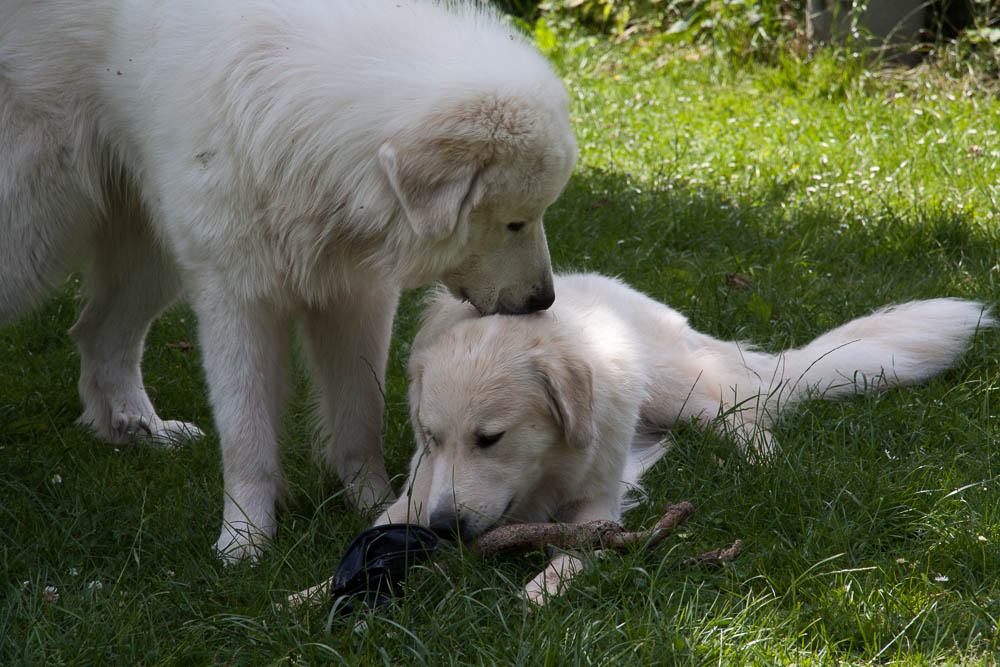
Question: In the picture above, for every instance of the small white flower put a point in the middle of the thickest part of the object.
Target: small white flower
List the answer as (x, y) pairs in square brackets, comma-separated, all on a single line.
[(73, 572), (95, 585), (51, 594), (57, 478), (941, 578)]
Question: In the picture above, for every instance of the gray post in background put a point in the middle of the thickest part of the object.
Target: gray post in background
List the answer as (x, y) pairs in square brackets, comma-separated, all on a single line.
[(891, 27)]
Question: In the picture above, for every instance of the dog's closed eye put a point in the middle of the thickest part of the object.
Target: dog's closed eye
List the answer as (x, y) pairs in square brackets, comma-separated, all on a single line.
[(483, 440)]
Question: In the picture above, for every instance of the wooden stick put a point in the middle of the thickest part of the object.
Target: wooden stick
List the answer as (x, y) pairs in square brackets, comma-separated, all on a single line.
[(594, 535), (716, 556)]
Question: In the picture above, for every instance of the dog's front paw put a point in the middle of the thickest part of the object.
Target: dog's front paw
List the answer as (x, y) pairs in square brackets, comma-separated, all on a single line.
[(154, 431), (371, 494), (554, 580), (172, 432), (128, 427), (241, 542)]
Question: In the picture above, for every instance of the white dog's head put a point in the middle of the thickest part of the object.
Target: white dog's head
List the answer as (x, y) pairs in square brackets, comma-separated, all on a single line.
[(503, 419), (473, 179)]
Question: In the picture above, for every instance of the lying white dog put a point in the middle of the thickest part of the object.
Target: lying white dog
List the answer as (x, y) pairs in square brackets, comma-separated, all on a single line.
[(545, 416), (275, 160)]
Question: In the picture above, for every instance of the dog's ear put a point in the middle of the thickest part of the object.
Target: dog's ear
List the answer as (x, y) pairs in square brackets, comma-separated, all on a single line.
[(569, 387), (435, 182)]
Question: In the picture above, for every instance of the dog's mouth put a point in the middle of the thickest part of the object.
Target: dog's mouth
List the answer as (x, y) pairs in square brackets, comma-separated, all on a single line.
[(504, 516), (464, 294), (503, 519), (533, 305)]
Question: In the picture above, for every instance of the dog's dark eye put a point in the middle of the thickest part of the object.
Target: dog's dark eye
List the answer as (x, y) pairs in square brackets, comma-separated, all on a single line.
[(515, 226), (483, 441)]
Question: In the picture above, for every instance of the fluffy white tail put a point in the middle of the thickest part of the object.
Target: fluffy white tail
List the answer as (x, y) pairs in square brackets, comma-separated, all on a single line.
[(894, 346)]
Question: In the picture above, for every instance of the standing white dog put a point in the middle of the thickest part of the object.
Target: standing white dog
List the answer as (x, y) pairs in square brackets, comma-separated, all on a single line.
[(546, 416), (275, 160)]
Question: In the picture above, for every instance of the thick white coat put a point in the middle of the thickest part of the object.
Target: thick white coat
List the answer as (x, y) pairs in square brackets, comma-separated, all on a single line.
[(581, 392), (274, 159)]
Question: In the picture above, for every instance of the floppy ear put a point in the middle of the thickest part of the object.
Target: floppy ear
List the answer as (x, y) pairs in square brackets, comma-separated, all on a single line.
[(569, 386), (434, 182)]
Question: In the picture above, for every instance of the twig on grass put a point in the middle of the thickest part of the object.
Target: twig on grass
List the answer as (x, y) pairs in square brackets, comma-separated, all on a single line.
[(594, 535), (716, 556)]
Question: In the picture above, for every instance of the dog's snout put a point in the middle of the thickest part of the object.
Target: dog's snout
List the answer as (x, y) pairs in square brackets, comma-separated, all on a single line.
[(541, 299), (448, 525)]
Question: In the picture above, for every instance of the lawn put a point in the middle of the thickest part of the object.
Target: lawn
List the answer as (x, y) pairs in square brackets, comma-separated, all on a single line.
[(768, 199)]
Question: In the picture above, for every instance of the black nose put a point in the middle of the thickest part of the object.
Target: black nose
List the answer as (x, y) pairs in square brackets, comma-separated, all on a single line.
[(541, 299), (448, 526)]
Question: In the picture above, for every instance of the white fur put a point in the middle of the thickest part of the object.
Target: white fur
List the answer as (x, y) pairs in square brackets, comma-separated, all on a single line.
[(275, 160), (579, 390)]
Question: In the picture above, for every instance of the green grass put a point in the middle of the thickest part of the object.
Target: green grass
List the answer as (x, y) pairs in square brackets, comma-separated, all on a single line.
[(875, 536)]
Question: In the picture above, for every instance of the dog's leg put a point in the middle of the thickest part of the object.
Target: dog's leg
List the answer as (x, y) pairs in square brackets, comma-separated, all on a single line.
[(35, 253), (562, 567), (555, 578), (414, 497), (245, 349), (44, 207), (347, 347), (130, 282), (718, 391), (755, 441)]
